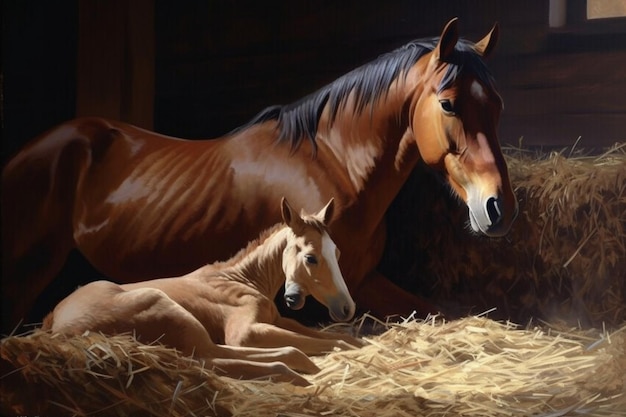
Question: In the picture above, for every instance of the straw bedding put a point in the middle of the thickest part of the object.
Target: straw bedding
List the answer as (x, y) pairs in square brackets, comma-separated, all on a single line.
[(564, 258), (469, 367)]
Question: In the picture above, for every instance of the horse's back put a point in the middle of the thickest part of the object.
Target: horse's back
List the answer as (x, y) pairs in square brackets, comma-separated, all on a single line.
[(54, 159)]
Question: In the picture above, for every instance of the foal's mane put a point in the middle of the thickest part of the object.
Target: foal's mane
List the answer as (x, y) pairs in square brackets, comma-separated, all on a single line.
[(263, 236), (299, 120)]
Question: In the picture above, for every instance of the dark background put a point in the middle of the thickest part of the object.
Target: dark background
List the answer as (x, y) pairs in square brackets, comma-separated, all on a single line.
[(198, 69)]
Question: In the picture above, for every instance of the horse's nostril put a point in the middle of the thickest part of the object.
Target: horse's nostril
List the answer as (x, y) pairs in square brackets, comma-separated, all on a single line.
[(494, 210)]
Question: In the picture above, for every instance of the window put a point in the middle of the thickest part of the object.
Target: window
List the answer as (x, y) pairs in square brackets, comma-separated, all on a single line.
[(602, 9), (608, 15)]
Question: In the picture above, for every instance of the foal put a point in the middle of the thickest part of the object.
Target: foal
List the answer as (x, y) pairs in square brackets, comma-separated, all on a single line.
[(230, 303)]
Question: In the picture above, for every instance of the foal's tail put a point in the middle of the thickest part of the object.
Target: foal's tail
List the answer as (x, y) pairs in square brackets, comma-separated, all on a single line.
[(48, 321)]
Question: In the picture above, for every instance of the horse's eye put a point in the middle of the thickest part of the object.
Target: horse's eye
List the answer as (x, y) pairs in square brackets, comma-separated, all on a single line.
[(447, 107), (310, 259)]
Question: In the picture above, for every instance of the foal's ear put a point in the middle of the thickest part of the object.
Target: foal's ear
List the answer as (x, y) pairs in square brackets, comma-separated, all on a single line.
[(289, 217), (447, 41), (326, 214), (486, 45)]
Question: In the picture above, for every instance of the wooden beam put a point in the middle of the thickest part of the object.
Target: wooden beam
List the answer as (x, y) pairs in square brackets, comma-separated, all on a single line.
[(115, 74)]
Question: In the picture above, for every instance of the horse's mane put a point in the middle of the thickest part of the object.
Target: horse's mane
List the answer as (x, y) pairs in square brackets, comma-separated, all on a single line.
[(263, 236), (299, 120)]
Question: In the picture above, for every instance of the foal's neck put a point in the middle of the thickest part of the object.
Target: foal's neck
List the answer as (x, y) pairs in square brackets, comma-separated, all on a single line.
[(261, 267)]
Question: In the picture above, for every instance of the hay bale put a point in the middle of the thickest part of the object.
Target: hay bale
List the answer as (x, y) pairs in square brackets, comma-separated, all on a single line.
[(469, 367), (564, 259)]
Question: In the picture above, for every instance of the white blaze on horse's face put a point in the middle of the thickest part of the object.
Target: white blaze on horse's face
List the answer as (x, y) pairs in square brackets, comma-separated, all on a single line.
[(478, 92), (473, 163), (456, 130), (310, 264)]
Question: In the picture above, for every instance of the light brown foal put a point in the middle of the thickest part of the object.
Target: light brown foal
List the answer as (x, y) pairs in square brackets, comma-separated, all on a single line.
[(231, 303)]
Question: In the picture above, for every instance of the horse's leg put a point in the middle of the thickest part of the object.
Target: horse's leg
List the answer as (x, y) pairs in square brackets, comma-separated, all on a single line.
[(245, 369), (38, 193), (265, 335), (295, 326), (382, 298), (292, 357), (152, 315), (26, 276)]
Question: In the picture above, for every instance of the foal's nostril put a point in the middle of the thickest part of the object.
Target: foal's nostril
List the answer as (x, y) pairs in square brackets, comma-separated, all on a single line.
[(494, 210), (294, 301)]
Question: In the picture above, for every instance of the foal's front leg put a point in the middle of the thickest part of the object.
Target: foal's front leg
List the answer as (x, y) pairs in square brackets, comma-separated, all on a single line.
[(289, 355), (297, 327), (153, 314), (287, 332), (245, 369)]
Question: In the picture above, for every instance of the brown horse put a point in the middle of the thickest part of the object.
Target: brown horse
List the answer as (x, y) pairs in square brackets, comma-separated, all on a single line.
[(139, 205), (230, 302)]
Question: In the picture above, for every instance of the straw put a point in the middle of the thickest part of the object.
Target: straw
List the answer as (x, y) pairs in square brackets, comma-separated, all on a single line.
[(469, 367), (563, 259)]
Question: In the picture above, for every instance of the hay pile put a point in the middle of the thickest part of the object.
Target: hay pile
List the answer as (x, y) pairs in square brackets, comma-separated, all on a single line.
[(564, 259), (469, 367)]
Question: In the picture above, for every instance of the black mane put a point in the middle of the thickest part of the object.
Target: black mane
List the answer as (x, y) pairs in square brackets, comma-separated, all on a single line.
[(369, 82)]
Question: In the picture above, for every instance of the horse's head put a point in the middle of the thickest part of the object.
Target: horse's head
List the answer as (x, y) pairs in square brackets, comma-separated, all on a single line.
[(310, 263), (454, 120)]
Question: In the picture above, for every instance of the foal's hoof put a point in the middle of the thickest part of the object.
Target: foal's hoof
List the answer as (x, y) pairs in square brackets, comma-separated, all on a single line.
[(299, 381), (283, 373), (298, 360), (354, 342), (348, 343)]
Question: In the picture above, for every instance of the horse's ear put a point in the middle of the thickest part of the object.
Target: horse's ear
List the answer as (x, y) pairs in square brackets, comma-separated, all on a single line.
[(326, 214), (486, 45), (447, 41), (286, 211)]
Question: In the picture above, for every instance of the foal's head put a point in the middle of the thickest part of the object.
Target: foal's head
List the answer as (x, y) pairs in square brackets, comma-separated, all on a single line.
[(310, 263), (454, 121)]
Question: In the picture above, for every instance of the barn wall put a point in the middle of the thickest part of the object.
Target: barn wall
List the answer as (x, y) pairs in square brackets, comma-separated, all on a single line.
[(219, 64), (38, 84)]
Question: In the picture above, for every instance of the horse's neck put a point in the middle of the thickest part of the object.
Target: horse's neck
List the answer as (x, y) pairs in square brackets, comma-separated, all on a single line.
[(375, 147), (261, 268)]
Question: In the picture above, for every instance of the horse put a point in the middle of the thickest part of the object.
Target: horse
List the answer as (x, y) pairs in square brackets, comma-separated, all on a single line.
[(229, 302), (139, 205)]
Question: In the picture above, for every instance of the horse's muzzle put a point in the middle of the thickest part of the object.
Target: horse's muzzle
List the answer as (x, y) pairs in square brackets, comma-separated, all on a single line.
[(492, 218)]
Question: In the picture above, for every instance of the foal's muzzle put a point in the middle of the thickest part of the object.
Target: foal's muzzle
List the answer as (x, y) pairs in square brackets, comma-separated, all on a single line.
[(294, 300), (341, 309)]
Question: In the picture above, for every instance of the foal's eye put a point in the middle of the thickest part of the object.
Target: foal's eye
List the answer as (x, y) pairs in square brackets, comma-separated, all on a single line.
[(447, 107), (310, 259)]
